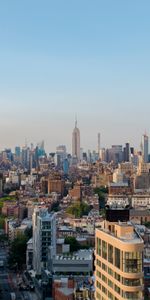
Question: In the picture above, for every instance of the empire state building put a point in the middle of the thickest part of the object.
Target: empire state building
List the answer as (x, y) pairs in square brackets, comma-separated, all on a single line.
[(76, 142)]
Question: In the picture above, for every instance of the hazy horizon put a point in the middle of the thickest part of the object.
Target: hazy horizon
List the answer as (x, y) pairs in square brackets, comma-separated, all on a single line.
[(62, 58)]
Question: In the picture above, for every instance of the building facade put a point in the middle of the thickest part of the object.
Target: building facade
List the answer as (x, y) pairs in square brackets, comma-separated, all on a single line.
[(44, 238), (119, 261)]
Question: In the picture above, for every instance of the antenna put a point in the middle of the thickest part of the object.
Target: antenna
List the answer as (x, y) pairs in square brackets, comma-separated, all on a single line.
[(75, 120)]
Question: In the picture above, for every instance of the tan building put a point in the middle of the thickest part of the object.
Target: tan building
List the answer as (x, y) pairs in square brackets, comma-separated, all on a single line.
[(76, 192), (56, 185), (119, 261)]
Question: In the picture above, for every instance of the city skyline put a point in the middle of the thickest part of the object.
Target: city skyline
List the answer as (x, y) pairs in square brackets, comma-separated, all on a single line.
[(34, 143), (58, 59)]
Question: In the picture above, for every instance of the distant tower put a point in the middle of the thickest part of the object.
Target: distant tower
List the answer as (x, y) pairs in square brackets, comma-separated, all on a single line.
[(76, 142), (99, 141), (127, 152), (145, 147)]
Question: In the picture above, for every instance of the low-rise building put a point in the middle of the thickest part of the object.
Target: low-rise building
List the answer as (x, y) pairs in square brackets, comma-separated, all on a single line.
[(78, 262)]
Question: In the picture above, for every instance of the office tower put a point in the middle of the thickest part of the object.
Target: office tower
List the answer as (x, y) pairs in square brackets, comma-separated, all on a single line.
[(119, 257), (17, 152), (25, 157), (103, 154), (60, 155), (127, 152), (41, 151), (99, 141), (66, 166), (8, 154), (76, 143), (44, 238), (145, 148), (115, 154)]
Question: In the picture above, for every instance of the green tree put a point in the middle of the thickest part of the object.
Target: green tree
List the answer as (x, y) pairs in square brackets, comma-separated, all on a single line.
[(18, 247), (74, 245), (101, 192), (2, 222), (17, 251), (28, 233), (79, 209)]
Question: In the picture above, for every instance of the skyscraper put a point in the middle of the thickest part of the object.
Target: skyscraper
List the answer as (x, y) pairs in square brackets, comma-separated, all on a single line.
[(76, 142), (145, 147), (119, 258), (98, 140), (127, 152)]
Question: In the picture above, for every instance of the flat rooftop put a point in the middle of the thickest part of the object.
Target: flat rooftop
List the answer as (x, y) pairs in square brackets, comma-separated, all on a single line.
[(124, 232)]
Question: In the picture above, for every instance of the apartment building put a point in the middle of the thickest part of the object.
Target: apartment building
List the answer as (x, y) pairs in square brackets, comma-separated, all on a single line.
[(119, 258)]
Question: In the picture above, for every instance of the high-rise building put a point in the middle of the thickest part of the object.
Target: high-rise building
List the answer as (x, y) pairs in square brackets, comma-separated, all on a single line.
[(119, 258), (76, 142), (61, 154), (98, 144), (145, 147), (127, 152), (17, 152), (44, 238)]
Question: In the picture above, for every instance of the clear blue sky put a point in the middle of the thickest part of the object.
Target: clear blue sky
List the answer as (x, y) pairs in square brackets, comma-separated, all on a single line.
[(61, 58)]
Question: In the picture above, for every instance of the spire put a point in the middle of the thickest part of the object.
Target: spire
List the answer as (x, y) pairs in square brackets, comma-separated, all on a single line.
[(75, 121)]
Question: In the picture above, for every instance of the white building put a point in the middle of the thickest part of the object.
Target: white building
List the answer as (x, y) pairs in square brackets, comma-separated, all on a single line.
[(44, 238), (118, 176), (78, 262), (141, 200)]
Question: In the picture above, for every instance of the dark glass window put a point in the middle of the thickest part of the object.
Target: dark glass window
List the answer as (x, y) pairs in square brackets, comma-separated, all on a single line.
[(104, 249), (110, 253), (117, 258)]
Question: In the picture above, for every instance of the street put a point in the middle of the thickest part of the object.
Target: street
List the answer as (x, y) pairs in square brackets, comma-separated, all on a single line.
[(8, 282)]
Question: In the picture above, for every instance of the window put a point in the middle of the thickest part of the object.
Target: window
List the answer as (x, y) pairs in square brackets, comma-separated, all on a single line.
[(104, 267), (132, 262), (104, 278), (117, 289), (98, 274), (110, 296), (110, 272), (104, 290), (98, 262), (131, 282), (98, 284), (104, 249), (110, 253), (98, 250), (110, 283), (132, 296), (117, 258), (117, 276)]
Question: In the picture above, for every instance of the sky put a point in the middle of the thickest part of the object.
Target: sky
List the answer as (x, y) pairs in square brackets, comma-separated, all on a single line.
[(64, 58)]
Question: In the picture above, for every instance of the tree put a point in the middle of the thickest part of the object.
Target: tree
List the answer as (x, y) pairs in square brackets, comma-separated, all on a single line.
[(18, 247), (74, 245), (79, 209), (28, 233), (101, 192), (17, 253), (2, 222)]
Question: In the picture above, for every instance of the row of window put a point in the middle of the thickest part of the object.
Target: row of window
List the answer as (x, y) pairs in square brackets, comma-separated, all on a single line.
[(129, 262), (124, 281), (110, 296)]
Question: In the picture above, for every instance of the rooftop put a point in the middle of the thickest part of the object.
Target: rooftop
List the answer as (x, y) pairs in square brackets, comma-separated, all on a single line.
[(124, 232)]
